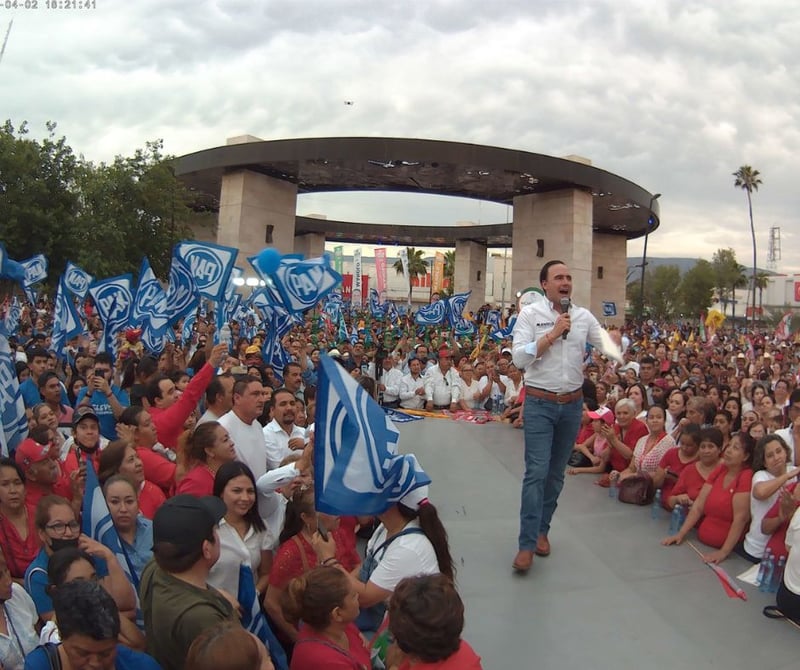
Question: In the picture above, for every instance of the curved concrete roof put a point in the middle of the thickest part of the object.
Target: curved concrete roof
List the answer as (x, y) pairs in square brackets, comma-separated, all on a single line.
[(424, 166)]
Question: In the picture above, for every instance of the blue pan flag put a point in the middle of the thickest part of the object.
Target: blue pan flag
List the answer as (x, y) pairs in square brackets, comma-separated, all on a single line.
[(357, 469)]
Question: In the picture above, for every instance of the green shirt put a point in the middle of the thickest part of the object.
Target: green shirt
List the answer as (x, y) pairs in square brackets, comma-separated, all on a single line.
[(175, 613)]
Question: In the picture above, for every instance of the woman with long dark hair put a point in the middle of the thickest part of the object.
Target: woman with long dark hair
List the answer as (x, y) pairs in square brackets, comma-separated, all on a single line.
[(243, 536), (120, 458), (209, 448), (410, 540)]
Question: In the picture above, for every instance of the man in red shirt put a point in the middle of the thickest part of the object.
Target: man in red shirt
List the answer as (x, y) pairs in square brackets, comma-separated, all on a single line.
[(169, 412)]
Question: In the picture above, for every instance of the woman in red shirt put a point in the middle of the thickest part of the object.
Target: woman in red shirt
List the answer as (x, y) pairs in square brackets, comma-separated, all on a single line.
[(694, 476), (723, 503), (18, 536), (296, 556), (325, 600), (209, 448), (675, 461), (119, 458)]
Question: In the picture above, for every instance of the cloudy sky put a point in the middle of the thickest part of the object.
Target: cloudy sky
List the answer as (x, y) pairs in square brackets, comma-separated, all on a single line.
[(674, 95)]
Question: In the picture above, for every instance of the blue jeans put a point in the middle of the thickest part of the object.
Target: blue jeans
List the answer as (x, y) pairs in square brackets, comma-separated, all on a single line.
[(550, 432)]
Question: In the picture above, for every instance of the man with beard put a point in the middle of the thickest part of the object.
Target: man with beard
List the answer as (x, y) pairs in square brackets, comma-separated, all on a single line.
[(281, 436), (58, 528)]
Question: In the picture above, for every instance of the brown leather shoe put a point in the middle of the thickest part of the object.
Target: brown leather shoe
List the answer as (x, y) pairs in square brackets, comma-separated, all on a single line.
[(542, 546), (523, 560)]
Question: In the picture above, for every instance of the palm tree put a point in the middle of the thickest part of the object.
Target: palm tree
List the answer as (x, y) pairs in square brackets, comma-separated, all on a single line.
[(762, 282), (449, 271), (417, 267), (748, 180)]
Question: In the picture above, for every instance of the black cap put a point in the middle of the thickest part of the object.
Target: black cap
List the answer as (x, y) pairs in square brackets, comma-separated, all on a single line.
[(85, 412), (186, 520)]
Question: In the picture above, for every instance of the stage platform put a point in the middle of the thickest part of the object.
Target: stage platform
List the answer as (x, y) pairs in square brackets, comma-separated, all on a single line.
[(609, 597)]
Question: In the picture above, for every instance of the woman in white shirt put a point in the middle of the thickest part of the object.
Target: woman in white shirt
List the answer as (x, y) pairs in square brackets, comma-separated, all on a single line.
[(18, 619), (244, 539), (470, 388), (770, 460)]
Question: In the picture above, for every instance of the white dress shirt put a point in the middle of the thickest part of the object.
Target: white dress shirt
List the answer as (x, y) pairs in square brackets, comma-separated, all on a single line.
[(391, 380), (560, 368), (248, 442), (470, 393), (442, 388), (277, 439), (408, 396), (233, 551)]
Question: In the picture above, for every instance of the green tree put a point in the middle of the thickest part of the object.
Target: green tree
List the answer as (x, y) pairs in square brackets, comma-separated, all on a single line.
[(39, 202), (729, 275), (449, 271), (697, 288), (762, 282), (417, 267), (661, 291), (105, 217), (137, 206), (748, 180)]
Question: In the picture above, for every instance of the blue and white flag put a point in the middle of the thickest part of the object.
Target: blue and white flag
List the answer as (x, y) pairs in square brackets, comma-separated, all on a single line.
[(12, 407), (35, 270), (9, 325), (182, 295), (342, 337), (35, 273), (398, 416), (274, 352), (236, 275), (377, 309), (210, 266), (188, 330), (303, 283), (96, 522), (493, 319), (357, 469), (150, 303), (455, 307), (254, 621), (10, 269), (66, 321), (76, 280), (113, 299), (431, 315), (505, 333)]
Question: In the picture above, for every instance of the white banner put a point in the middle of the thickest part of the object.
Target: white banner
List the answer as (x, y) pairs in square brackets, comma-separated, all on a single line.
[(357, 275)]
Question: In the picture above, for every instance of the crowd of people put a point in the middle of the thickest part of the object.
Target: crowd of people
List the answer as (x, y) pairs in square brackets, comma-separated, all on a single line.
[(205, 458), (205, 455)]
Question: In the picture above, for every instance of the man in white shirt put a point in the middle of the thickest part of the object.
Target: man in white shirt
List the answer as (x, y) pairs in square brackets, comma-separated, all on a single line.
[(550, 339), (389, 382), (281, 436), (412, 387), (442, 384), (243, 427), (219, 397)]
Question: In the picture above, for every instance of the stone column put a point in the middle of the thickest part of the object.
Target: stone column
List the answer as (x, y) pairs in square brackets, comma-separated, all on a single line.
[(470, 272), (311, 245), (256, 211), (609, 271), (559, 225)]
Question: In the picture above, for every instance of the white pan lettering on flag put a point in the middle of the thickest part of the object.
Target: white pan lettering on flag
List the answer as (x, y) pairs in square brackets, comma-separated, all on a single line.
[(357, 468)]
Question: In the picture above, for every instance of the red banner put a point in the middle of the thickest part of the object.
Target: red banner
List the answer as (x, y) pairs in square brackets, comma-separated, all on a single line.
[(347, 287), (797, 291)]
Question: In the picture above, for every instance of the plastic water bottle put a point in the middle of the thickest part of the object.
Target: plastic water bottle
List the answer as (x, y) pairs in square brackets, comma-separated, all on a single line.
[(777, 575), (766, 579), (684, 514), (225, 335), (501, 406), (496, 404), (762, 567), (675, 522), (655, 508), (613, 491)]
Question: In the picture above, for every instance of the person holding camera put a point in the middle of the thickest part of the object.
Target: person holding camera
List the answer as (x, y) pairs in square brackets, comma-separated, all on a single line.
[(106, 399)]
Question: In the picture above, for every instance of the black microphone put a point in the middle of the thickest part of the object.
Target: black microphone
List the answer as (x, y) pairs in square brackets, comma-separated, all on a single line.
[(565, 305)]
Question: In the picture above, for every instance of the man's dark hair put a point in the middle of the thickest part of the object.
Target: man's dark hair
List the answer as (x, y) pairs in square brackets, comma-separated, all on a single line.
[(546, 268), (794, 396), (647, 360), (44, 378), (242, 382), (292, 365), (104, 358), (215, 388), (153, 389), (275, 393), (85, 608), (37, 352), (175, 559)]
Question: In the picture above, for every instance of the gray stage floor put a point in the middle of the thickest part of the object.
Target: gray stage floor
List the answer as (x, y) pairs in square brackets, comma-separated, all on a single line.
[(609, 596)]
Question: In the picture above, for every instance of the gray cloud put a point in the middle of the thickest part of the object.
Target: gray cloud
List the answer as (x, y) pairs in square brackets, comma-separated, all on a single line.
[(674, 96)]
